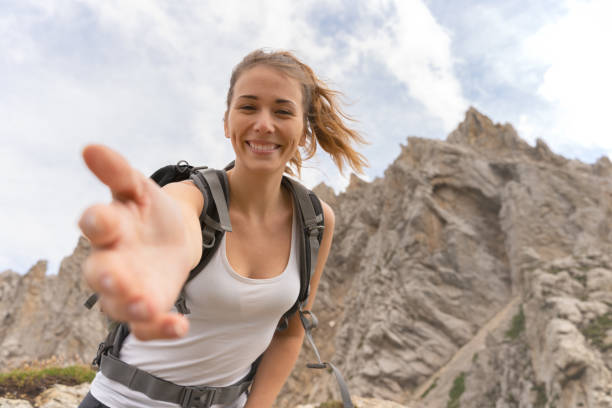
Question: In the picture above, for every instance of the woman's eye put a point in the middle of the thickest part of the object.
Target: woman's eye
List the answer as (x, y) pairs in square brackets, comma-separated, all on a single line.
[(247, 107), (284, 112)]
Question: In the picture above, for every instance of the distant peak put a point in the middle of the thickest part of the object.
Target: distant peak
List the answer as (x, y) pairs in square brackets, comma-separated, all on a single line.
[(355, 182), (480, 133)]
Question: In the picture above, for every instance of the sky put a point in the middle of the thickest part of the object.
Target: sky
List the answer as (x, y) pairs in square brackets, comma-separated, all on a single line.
[(149, 79)]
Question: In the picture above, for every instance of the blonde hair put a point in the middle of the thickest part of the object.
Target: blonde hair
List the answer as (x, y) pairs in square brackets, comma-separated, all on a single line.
[(323, 119)]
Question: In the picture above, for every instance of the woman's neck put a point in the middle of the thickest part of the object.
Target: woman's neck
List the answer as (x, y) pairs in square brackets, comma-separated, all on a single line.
[(256, 195)]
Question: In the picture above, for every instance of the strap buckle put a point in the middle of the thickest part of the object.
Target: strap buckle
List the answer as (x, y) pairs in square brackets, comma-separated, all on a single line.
[(102, 349), (208, 238), (309, 320), (196, 397), (314, 230)]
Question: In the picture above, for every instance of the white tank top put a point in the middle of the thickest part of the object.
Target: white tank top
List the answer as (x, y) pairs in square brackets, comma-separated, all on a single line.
[(232, 321)]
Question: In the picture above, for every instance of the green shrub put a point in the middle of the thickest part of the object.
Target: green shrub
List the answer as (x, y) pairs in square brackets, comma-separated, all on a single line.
[(596, 331), (456, 391), (517, 326), (431, 387), (541, 399)]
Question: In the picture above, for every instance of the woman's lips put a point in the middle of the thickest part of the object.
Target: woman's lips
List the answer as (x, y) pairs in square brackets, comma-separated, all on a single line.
[(259, 147)]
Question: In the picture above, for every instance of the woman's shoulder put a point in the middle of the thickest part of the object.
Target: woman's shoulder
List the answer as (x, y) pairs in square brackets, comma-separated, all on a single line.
[(186, 192)]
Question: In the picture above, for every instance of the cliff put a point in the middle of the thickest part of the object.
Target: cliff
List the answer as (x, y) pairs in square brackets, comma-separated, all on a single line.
[(477, 269)]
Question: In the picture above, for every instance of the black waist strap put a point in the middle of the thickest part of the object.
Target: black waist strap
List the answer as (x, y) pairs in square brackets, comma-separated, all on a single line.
[(159, 389)]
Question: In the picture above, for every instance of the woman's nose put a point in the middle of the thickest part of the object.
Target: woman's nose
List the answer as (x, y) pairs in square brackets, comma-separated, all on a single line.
[(264, 122)]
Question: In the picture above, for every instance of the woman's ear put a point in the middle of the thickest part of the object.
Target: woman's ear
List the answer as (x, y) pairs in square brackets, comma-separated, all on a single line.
[(225, 129), (302, 142)]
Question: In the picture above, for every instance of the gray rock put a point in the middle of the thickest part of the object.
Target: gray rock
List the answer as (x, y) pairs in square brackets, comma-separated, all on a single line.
[(44, 317), (61, 396), (10, 403)]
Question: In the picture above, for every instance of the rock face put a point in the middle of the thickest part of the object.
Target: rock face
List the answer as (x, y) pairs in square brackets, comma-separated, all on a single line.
[(476, 272), (433, 264), (43, 316)]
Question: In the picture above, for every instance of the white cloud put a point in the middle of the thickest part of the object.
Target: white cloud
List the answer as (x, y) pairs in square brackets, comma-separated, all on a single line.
[(407, 40), (577, 81)]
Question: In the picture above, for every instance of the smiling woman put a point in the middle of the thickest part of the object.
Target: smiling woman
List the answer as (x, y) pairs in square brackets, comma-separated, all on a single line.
[(148, 239)]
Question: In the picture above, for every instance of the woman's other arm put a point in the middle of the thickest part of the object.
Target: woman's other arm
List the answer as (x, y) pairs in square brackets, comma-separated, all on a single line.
[(283, 351), (144, 243)]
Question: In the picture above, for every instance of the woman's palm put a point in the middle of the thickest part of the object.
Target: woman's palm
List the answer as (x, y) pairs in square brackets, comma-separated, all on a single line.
[(138, 262)]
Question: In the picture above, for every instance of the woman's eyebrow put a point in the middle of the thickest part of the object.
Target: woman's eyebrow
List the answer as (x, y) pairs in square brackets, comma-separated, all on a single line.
[(279, 100), (287, 101), (248, 97)]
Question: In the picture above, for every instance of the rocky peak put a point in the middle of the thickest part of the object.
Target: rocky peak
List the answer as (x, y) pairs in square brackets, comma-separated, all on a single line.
[(495, 140), (603, 167), (480, 133), (355, 183), (325, 193), (43, 316)]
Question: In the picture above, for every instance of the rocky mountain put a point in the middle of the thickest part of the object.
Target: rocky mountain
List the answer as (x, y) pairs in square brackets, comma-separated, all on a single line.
[(43, 316), (476, 272)]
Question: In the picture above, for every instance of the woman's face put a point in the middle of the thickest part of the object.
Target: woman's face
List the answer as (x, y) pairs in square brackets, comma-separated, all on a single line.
[(265, 119)]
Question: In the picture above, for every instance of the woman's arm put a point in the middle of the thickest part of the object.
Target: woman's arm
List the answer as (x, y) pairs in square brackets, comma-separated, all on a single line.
[(144, 243), (283, 351)]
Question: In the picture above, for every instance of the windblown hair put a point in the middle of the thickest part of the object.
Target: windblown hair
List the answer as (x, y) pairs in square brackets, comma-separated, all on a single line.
[(323, 118)]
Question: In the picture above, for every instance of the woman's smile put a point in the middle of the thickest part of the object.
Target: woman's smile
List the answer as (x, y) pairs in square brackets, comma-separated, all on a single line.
[(258, 147)]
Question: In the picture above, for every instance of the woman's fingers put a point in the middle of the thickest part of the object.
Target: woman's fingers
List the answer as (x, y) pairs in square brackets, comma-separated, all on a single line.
[(167, 326), (122, 296), (101, 224), (104, 273), (114, 171)]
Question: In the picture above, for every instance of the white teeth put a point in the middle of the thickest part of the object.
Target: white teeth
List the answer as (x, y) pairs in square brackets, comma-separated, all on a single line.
[(259, 147)]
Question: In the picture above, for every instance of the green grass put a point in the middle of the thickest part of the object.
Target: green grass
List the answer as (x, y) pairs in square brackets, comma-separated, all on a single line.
[(456, 391), (27, 383), (517, 326), (79, 374)]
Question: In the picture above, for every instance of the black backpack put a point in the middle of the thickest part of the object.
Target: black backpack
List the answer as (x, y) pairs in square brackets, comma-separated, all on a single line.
[(214, 222)]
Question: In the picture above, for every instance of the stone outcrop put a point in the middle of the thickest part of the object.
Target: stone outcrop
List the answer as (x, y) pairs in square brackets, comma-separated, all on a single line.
[(476, 272), (43, 316), (432, 263), (58, 396)]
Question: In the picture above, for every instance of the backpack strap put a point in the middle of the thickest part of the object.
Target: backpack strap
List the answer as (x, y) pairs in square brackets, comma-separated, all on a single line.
[(214, 187), (309, 211), (162, 390), (312, 223), (309, 322)]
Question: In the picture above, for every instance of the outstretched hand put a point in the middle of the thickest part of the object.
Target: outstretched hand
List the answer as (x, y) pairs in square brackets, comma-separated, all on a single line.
[(138, 262)]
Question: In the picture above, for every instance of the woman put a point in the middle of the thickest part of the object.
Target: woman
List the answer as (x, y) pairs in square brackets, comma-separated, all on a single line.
[(148, 239)]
